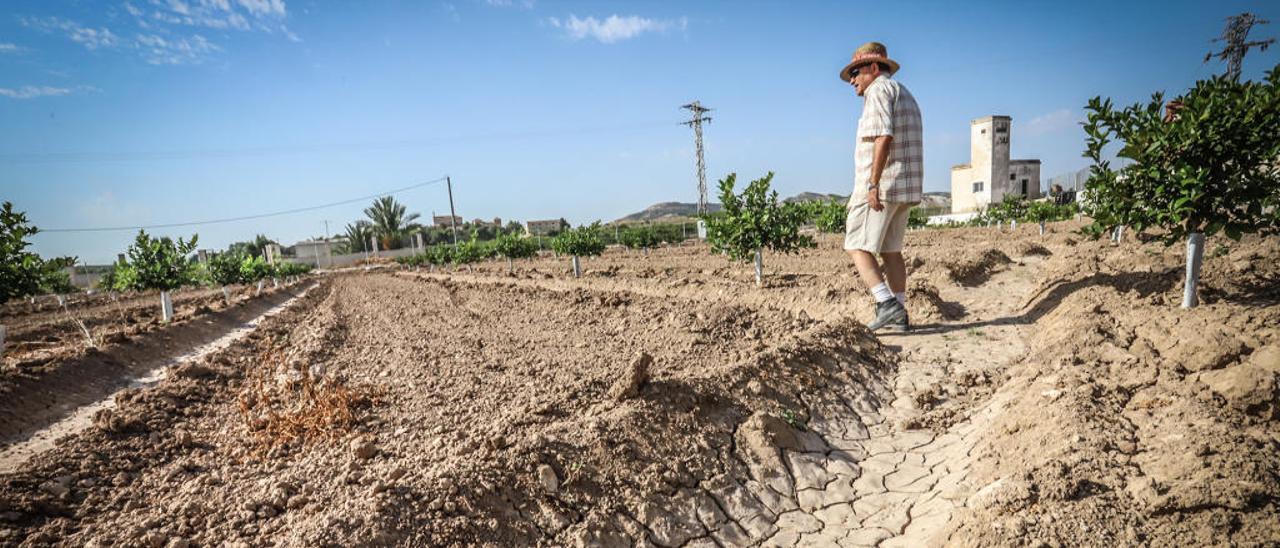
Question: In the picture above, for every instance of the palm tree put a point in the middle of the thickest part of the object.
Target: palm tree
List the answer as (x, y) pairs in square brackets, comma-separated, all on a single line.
[(358, 234), (390, 222)]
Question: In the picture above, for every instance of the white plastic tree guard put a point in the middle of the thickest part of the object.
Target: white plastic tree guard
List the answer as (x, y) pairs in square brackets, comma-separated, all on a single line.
[(166, 307), (226, 295), (1195, 254), (577, 267)]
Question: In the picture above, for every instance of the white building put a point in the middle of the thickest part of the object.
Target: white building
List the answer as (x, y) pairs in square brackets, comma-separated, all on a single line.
[(990, 175)]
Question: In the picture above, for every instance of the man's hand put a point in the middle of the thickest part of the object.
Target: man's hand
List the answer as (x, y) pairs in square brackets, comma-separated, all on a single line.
[(880, 158), (873, 198)]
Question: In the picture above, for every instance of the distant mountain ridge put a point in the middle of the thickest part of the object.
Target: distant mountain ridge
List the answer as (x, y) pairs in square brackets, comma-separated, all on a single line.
[(663, 211)]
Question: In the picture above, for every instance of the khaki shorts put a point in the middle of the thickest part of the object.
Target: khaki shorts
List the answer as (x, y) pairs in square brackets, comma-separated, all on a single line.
[(876, 231)]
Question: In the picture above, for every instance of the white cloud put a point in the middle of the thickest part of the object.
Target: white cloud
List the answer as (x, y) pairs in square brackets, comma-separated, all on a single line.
[(264, 7), (244, 15), (6, 47), (614, 28), (1051, 122), (161, 39), (32, 92), (158, 50), (90, 38)]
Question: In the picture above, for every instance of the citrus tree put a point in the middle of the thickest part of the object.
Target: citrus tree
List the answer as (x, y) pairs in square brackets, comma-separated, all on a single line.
[(1011, 208), (255, 270), (54, 278), (23, 273), (439, 255), (579, 242), (469, 252), (224, 270), (513, 246), (1210, 168), (162, 263), (1041, 213), (917, 218), (829, 215), (639, 237), (753, 221)]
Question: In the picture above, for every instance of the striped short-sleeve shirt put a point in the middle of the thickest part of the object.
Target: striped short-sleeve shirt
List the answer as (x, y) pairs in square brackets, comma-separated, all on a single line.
[(889, 109)]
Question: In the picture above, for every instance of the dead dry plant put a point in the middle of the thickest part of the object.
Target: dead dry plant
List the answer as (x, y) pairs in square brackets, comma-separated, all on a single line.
[(282, 405)]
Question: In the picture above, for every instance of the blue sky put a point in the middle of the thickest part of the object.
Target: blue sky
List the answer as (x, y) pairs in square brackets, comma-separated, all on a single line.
[(160, 111)]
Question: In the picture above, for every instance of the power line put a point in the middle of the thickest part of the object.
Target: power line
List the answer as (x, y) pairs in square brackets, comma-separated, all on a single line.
[(178, 154), (249, 217)]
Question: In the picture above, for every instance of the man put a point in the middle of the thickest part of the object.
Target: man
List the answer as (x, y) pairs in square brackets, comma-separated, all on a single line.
[(888, 181)]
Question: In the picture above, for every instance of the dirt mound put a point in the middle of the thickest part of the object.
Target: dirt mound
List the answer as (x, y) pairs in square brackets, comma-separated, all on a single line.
[(925, 304), (974, 268), (1133, 421)]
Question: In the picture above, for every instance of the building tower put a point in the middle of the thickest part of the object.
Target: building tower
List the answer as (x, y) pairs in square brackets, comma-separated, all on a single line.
[(990, 174)]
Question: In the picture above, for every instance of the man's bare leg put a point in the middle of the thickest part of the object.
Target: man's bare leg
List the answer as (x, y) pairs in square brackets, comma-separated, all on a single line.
[(895, 269), (868, 267)]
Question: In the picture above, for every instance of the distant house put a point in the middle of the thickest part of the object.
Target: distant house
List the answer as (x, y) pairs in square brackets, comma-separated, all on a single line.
[(497, 222), (541, 228), (990, 175), (446, 220)]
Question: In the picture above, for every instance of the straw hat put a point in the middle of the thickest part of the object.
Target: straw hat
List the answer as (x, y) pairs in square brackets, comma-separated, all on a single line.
[(870, 52)]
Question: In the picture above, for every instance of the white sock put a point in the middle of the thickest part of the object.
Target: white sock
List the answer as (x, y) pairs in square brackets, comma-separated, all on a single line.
[(902, 298), (881, 292)]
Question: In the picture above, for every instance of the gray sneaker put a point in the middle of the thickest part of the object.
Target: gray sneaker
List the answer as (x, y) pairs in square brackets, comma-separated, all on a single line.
[(890, 314)]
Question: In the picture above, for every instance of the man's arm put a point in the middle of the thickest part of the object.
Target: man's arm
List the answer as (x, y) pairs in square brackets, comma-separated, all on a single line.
[(880, 157)]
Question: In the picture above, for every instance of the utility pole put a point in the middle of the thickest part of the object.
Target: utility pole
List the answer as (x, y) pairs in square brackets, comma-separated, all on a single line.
[(698, 110), (328, 247), (1234, 36), (453, 217)]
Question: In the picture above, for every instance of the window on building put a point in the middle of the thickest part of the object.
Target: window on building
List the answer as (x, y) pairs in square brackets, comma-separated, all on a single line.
[(977, 186), (1013, 176), (1002, 128)]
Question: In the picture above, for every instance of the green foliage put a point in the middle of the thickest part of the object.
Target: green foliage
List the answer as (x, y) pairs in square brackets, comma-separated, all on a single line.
[(20, 270), (126, 278), (513, 246), (1012, 208), (252, 248), (917, 218), (1212, 168), (639, 237), (439, 255), (583, 241), (358, 236), (54, 278), (224, 269), (253, 269), (390, 223), (755, 220), (829, 215), (1045, 211), (286, 268), (107, 281), (469, 252), (161, 263)]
